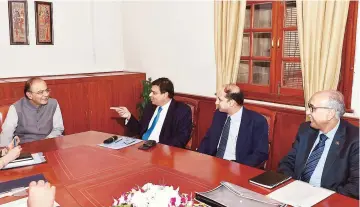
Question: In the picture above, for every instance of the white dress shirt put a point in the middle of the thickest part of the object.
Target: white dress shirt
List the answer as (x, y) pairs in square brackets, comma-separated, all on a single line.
[(315, 179), (11, 122), (156, 131), (230, 151)]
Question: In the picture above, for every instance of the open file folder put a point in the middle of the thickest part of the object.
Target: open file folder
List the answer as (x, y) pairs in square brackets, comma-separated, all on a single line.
[(230, 195)]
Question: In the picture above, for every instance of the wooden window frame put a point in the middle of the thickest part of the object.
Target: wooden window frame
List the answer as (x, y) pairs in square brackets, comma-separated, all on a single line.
[(296, 96)]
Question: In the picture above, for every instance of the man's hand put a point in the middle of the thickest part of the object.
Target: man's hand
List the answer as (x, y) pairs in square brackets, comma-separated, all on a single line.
[(41, 194), (11, 145), (12, 155), (123, 112)]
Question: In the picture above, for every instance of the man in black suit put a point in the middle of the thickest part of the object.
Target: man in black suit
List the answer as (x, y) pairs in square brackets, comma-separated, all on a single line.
[(164, 119), (236, 133), (326, 150)]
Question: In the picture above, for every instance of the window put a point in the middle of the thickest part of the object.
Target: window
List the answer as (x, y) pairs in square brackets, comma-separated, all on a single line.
[(269, 68)]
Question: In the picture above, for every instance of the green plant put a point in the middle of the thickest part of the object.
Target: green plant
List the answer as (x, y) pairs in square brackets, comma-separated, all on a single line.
[(145, 98)]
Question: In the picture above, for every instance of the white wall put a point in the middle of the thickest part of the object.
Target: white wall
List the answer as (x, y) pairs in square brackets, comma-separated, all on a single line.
[(87, 38), (174, 39)]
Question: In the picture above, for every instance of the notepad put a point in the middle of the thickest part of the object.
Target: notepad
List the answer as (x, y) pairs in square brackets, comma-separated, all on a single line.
[(23, 157), (121, 142), (299, 193), (21, 203), (269, 179)]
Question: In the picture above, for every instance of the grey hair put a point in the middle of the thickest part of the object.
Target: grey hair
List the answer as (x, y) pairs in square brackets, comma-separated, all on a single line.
[(336, 101)]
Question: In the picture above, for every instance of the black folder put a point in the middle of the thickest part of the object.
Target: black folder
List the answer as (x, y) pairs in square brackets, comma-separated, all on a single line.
[(269, 179)]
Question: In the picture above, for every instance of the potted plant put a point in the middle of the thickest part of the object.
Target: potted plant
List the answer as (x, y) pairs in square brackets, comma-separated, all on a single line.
[(145, 98)]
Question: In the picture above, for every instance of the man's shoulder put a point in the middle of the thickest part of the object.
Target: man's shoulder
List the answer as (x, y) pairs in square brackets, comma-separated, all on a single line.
[(254, 115), (352, 131), (180, 106), (52, 101)]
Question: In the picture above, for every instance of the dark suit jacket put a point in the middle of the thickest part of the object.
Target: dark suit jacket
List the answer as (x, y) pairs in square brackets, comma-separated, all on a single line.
[(177, 127), (252, 143), (341, 170)]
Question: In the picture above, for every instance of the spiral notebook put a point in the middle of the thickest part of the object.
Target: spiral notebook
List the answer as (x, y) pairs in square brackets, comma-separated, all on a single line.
[(269, 179)]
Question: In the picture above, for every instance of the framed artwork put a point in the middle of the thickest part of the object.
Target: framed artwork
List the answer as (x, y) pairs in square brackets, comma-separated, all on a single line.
[(18, 23), (44, 23)]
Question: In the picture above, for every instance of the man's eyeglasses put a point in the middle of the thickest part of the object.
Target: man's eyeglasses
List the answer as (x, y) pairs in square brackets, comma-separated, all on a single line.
[(41, 92), (313, 108)]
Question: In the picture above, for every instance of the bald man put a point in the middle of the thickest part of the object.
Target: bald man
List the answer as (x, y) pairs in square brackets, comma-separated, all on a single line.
[(326, 150), (35, 116), (236, 133)]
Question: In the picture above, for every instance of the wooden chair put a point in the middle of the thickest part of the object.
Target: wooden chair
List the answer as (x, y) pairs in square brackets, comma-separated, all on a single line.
[(194, 105), (270, 117)]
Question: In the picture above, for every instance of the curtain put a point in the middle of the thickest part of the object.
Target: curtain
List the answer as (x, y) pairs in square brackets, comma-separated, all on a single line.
[(321, 27), (229, 26)]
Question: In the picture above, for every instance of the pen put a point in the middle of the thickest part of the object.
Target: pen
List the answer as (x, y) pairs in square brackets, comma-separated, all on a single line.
[(118, 140), (14, 142)]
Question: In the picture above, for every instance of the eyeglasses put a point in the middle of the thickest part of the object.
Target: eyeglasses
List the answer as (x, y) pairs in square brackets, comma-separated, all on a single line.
[(41, 92), (313, 108)]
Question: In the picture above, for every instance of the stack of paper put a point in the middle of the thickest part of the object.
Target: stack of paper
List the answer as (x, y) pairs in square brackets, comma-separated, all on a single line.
[(121, 142), (299, 193), (37, 159)]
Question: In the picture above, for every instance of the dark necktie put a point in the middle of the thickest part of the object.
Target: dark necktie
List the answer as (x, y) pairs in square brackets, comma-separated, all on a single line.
[(148, 132), (223, 139), (313, 159)]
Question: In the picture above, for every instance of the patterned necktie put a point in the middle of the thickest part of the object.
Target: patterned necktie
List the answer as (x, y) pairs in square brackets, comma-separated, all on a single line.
[(148, 132), (223, 139), (314, 159)]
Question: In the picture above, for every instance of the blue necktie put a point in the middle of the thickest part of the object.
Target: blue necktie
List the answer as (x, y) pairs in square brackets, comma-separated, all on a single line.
[(314, 159), (223, 139), (148, 132)]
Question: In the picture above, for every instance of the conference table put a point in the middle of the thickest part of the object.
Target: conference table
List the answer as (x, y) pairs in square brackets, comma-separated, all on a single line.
[(86, 174)]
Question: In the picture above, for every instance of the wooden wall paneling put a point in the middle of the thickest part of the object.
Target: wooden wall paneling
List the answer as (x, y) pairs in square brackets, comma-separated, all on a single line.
[(126, 92), (74, 105), (99, 96)]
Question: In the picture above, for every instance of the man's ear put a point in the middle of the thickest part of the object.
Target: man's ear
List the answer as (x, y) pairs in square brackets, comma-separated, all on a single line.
[(29, 95)]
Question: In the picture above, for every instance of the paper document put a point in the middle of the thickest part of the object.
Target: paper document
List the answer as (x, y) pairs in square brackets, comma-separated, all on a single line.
[(121, 142), (299, 193), (21, 203), (37, 159)]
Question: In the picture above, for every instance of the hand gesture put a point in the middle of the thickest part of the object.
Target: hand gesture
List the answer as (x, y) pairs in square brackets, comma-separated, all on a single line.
[(123, 112), (41, 194)]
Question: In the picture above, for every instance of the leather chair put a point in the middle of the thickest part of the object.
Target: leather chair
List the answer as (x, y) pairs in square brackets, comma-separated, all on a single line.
[(270, 117), (194, 105)]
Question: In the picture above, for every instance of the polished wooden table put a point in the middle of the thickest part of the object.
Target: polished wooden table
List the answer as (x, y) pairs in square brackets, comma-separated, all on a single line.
[(88, 175)]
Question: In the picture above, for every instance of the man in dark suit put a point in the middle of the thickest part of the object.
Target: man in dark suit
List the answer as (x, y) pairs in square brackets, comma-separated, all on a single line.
[(326, 150), (164, 119), (236, 133)]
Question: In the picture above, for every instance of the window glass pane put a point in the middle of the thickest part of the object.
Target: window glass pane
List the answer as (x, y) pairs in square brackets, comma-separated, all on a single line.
[(243, 75), (261, 71), (262, 15), (292, 77), (290, 14), (245, 50), (247, 17), (262, 44), (291, 44)]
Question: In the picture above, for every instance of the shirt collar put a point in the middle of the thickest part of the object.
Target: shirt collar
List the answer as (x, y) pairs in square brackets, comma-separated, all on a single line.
[(165, 107), (332, 132), (237, 116)]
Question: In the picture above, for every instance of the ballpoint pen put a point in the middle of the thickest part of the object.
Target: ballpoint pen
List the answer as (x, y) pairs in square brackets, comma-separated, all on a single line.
[(118, 140)]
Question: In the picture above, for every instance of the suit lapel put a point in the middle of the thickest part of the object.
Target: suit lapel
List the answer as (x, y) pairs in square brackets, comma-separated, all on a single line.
[(335, 148), (168, 118), (310, 143), (243, 131)]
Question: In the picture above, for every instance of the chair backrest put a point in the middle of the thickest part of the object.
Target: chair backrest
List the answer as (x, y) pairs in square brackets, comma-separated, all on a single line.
[(194, 105), (3, 112), (270, 117)]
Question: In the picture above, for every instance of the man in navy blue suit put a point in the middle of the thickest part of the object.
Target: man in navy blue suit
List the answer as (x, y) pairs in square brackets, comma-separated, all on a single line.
[(236, 133), (164, 120), (326, 149)]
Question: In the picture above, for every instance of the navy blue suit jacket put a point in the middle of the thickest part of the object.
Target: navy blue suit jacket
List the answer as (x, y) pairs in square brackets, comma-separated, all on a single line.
[(341, 170), (252, 146), (177, 126)]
